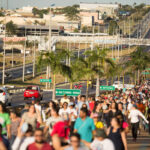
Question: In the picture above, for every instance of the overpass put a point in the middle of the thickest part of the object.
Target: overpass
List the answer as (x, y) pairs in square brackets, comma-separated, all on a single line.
[(102, 40)]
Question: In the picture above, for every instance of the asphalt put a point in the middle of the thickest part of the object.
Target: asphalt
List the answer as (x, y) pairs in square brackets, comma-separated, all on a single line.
[(142, 143)]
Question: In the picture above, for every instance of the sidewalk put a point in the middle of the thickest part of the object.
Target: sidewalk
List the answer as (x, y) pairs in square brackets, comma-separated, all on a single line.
[(142, 143)]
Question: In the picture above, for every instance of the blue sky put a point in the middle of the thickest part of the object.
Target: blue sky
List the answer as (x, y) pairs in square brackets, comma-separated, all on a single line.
[(45, 3)]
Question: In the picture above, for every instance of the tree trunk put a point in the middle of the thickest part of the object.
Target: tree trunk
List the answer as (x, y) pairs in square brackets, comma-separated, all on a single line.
[(97, 86), (87, 89), (54, 87), (123, 80), (138, 76), (135, 78), (112, 80), (71, 85)]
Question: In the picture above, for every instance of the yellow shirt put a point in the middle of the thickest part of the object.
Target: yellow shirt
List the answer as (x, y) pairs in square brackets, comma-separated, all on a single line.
[(99, 125)]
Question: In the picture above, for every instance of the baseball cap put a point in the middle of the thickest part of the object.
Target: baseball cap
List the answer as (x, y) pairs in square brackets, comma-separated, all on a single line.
[(100, 133), (61, 129)]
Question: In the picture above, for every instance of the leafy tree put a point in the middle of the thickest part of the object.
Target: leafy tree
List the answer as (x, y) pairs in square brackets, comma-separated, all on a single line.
[(39, 12), (76, 30), (71, 12), (139, 61), (11, 28), (1, 14), (112, 27)]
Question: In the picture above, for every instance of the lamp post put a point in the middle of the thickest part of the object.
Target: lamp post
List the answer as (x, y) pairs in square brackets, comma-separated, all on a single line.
[(4, 55), (48, 72), (34, 55), (24, 58)]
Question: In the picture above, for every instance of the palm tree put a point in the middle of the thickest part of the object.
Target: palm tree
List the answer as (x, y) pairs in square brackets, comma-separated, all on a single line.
[(139, 61), (87, 70), (54, 60), (99, 61), (77, 73)]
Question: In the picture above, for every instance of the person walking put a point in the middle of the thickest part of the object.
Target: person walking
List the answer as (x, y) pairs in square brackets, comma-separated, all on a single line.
[(117, 135), (134, 119), (84, 125)]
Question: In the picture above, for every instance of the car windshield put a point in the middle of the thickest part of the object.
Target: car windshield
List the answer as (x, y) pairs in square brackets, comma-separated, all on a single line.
[(32, 88)]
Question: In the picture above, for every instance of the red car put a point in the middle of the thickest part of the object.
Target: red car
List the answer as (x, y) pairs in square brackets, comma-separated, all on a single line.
[(33, 92)]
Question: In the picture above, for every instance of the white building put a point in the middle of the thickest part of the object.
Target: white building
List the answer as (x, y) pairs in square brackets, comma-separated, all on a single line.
[(25, 9), (108, 9)]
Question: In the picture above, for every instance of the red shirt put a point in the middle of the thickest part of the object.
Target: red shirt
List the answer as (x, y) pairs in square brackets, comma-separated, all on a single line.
[(45, 146)]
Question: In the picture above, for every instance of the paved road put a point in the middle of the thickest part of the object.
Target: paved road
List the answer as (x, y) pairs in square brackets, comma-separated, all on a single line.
[(142, 143), (18, 99), (16, 72)]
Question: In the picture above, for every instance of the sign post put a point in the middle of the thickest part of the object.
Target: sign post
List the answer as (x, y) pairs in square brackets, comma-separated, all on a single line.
[(107, 88), (68, 92), (145, 73), (46, 80)]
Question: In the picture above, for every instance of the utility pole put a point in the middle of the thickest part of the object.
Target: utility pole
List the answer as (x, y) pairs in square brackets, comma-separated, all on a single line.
[(34, 52), (4, 55), (129, 33), (12, 57), (48, 72), (24, 59), (7, 5)]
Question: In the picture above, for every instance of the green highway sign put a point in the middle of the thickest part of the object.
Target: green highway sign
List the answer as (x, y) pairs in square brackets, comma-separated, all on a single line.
[(145, 73), (68, 92), (107, 88), (114, 59), (46, 80)]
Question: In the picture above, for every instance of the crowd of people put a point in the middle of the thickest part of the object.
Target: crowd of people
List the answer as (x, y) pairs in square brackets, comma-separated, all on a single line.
[(78, 123)]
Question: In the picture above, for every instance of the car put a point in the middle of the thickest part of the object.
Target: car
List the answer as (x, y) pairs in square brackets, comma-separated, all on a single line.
[(4, 95), (33, 92), (118, 85), (29, 71), (8, 75)]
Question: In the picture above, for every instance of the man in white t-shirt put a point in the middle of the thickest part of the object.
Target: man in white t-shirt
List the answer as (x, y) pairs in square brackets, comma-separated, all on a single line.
[(101, 142)]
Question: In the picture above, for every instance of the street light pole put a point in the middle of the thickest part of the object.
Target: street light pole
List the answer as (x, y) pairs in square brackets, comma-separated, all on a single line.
[(34, 53), (24, 58), (50, 45), (4, 55)]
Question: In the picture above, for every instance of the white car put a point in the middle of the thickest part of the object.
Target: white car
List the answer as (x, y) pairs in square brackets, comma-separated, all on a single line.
[(4, 95), (29, 71), (119, 85)]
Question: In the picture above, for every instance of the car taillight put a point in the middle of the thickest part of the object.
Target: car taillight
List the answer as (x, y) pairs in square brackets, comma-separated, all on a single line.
[(4, 93)]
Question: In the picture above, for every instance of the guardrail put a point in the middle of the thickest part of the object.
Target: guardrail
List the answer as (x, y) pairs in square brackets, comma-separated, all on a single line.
[(13, 90)]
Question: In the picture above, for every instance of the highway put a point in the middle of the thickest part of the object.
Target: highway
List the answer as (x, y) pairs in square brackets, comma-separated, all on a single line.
[(16, 72)]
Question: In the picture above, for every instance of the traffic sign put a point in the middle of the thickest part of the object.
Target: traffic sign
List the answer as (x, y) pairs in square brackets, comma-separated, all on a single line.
[(68, 92), (145, 73), (107, 88), (114, 59), (46, 80)]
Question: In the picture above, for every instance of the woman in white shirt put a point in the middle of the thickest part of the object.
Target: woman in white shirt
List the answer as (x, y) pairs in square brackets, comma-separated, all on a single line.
[(134, 117), (64, 111)]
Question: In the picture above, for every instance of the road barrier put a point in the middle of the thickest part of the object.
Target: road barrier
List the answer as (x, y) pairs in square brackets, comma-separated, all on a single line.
[(16, 90)]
